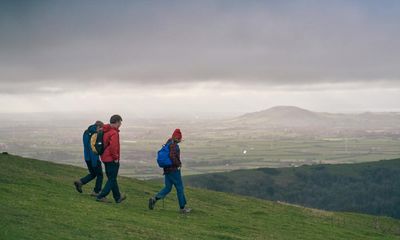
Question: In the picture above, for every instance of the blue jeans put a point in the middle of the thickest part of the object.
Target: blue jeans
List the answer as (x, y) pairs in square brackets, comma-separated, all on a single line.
[(94, 172), (173, 178), (111, 184)]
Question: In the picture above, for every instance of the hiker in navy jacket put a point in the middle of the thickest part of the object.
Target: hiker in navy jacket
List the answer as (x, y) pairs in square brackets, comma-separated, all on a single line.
[(172, 175), (92, 161)]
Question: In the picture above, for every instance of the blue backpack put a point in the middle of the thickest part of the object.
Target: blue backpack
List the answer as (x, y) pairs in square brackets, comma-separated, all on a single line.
[(163, 158)]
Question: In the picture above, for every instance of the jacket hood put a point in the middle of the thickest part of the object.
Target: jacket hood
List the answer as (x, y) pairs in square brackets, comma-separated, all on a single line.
[(108, 127), (92, 128)]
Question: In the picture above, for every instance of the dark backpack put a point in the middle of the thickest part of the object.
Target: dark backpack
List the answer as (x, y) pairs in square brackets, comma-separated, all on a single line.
[(96, 142)]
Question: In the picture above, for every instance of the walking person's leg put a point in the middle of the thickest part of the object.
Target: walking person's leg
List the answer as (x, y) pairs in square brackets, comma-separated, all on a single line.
[(176, 178), (92, 174), (179, 189), (114, 183), (163, 193), (167, 188), (99, 177), (107, 187)]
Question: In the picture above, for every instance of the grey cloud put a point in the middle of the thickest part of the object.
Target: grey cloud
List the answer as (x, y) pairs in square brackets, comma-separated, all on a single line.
[(297, 42)]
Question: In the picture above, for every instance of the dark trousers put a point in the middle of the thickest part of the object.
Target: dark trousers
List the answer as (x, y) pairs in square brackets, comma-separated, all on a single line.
[(94, 172), (111, 184)]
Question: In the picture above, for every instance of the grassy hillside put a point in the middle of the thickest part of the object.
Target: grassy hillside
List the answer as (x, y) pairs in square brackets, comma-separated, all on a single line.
[(38, 201), (372, 188)]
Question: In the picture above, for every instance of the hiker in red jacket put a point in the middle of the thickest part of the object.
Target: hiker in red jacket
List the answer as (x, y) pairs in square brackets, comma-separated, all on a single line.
[(110, 158), (172, 175)]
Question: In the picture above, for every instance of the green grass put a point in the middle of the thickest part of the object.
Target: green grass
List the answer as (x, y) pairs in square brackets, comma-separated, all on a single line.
[(38, 201)]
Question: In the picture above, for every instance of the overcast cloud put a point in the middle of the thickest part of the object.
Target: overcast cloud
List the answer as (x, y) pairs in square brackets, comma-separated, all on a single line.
[(59, 49)]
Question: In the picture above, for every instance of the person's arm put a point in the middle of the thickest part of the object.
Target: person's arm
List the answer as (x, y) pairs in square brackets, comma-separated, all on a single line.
[(114, 147), (174, 155), (86, 150)]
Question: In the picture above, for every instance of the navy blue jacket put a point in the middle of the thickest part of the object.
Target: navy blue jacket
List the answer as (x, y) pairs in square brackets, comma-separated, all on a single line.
[(89, 155)]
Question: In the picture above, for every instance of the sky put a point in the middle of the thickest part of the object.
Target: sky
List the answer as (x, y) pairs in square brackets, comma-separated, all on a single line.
[(199, 58)]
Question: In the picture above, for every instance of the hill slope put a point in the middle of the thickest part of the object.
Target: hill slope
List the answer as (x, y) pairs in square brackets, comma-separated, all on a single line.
[(372, 188), (295, 117), (284, 116), (38, 202)]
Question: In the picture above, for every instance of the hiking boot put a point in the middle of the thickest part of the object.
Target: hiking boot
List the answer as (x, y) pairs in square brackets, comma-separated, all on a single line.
[(122, 198), (185, 210), (78, 186), (103, 200), (94, 194), (152, 203)]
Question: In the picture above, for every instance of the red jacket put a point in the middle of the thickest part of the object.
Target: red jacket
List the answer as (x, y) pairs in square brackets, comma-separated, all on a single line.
[(111, 144)]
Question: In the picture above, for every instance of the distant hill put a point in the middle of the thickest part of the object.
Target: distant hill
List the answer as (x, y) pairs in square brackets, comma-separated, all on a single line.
[(295, 117), (38, 201), (285, 116), (372, 188)]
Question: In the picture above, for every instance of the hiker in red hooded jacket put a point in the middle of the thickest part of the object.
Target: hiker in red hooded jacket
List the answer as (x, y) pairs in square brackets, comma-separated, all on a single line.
[(111, 141), (110, 158)]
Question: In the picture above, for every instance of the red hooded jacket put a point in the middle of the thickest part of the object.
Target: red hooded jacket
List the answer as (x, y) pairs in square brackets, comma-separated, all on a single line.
[(111, 144)]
